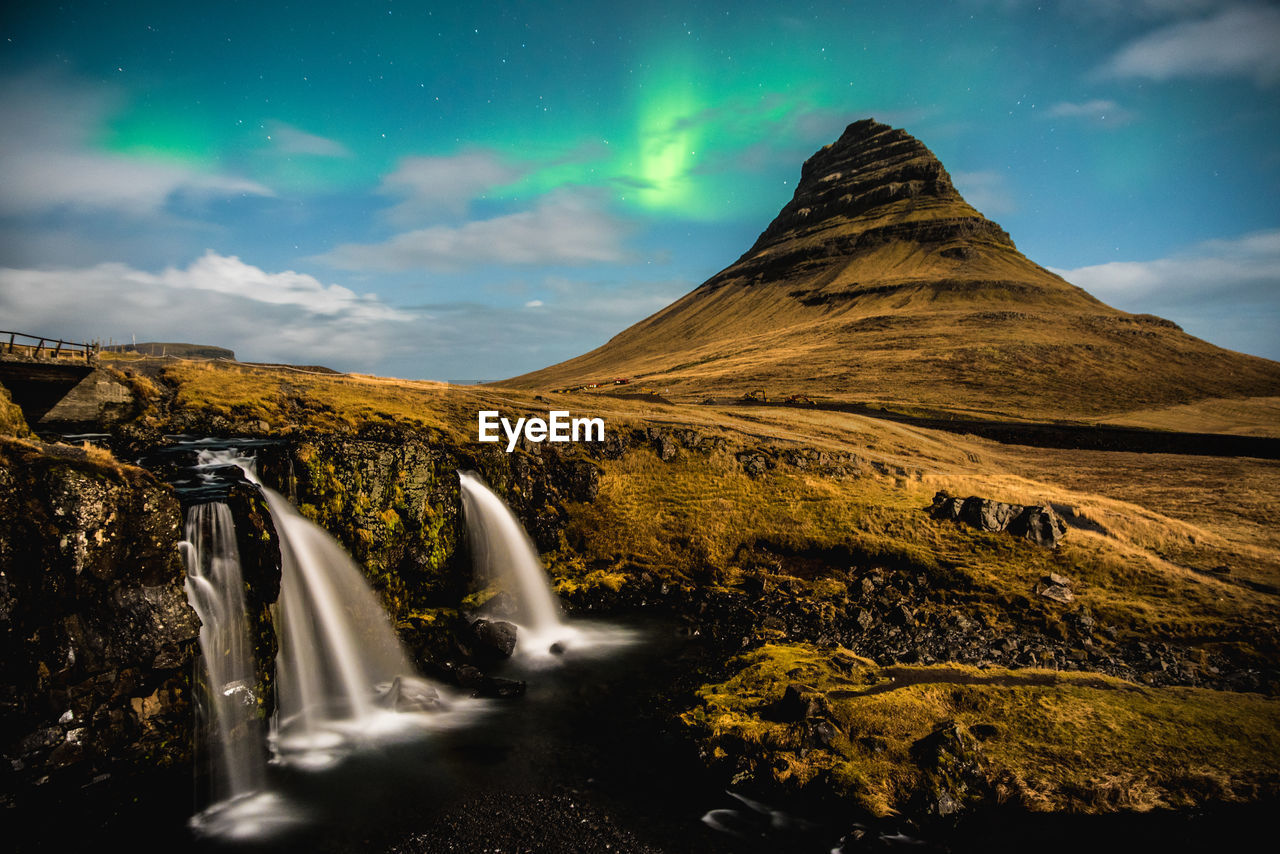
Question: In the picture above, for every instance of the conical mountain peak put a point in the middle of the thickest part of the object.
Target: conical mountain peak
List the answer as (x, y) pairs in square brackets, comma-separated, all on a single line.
[(878, 283)]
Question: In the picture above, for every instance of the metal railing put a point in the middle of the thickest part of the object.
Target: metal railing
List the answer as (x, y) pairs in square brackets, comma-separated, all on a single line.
[(45, 347)]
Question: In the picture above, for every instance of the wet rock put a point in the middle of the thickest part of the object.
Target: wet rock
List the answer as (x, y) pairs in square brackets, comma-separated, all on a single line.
[(499, 687), (407, 694), (493, 638), (96, 637), (501, 605)]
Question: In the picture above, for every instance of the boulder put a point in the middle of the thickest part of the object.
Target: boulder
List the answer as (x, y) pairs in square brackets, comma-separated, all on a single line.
[(493, 638), (1040, 525)]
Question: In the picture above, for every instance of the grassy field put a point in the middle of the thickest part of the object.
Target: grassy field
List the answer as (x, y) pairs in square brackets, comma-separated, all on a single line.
[(1179, 550)]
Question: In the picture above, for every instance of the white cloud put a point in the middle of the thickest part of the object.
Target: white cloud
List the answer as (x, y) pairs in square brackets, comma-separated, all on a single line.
[(987, 191), (429, 187), (288, 139), (1104, 112), (567, 227), (1227, 291), (48, 162), (1239, 41), (286, 316), (534, 303)]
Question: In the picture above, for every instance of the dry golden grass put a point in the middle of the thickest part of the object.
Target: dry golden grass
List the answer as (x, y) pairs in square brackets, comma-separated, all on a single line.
[(1082, 742), (1253, 416), (1151, 531)]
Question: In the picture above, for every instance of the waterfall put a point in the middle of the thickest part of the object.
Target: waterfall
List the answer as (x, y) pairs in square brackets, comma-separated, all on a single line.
[(502, 551), (341, 672), (337, 646), (215, 590)]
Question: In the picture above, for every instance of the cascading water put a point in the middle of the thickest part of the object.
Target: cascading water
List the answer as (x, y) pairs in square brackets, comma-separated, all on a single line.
[(502, 551), (340, 669), (215, 590)]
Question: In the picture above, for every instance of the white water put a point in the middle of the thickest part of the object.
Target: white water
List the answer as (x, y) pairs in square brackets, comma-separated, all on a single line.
[(342, 678), (502, 551), (215, 590)]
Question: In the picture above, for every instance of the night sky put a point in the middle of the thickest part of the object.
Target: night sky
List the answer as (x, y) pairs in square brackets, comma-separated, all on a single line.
[(477, 190)]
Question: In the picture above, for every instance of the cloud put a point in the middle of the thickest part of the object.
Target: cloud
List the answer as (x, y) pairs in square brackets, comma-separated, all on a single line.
[(1227, 291), (987, 191), (429, 187), (567, 227), (1239, 41), (1104, 113), (217, 299), (291, 140), (48, 162)]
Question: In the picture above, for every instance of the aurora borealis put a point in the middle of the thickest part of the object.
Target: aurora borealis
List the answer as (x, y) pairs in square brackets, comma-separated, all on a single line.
[(472, 191)]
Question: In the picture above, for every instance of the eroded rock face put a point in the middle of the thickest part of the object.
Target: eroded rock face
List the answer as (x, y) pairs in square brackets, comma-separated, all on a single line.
[(1039, 524), (96, 636)]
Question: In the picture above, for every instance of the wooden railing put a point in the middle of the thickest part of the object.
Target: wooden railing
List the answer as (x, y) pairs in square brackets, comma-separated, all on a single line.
[(45, 348)]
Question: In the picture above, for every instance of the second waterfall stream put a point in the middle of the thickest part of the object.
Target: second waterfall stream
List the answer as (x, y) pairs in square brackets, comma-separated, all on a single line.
[(504, 555)]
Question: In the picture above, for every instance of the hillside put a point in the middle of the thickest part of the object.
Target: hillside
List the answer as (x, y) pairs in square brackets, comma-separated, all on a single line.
[(878, 283)]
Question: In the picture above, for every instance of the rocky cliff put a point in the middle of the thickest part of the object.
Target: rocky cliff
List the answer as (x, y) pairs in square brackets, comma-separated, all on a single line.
[(98, 639)]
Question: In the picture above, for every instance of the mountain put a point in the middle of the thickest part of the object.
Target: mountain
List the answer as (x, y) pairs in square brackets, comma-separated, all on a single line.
[(878, 283)]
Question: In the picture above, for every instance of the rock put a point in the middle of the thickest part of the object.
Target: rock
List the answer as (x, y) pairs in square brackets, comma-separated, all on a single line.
[(493, 638), (986, 514), (1040, 525), (501, 605), (407, 694), (954, 770), (556, 648), (799, 703), (501, 688), (1058, 593), (93, 618), (468, 676), (824, 735)]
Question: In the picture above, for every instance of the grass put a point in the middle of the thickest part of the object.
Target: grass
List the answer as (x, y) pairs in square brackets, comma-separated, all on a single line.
[(1080, 742)]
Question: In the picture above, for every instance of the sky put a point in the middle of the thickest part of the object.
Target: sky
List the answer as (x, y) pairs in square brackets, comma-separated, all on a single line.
[(472, 191)]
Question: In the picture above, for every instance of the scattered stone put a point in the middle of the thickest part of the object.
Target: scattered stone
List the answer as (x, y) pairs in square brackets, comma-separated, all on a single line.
[(556, 648), (1041, 525), (1058, 593)]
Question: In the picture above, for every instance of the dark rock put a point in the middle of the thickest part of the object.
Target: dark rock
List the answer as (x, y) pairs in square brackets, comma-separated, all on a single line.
[(501, 688), (96, 637), (493, 638), (799, 703), (986, 514), (955, 770), (824, 734), (468, 676), (1040, 525), (556, 648)]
